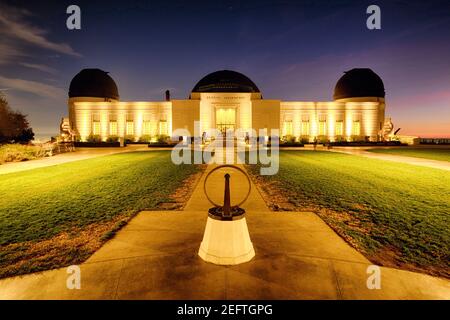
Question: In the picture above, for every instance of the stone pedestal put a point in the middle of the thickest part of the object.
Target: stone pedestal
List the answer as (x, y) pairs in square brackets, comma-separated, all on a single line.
[(226, 242)]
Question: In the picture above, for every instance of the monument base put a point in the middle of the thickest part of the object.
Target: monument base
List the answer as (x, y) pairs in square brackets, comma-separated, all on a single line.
[(226, 242)]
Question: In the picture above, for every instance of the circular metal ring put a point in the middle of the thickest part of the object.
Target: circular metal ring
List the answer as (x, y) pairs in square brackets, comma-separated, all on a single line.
[(227, 166)]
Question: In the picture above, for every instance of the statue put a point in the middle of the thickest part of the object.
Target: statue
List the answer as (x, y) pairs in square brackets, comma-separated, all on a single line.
[(65, 132), (388, 127)]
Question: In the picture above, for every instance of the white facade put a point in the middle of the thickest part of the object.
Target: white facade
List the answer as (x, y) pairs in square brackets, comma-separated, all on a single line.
[(213, 105), (347, 119)]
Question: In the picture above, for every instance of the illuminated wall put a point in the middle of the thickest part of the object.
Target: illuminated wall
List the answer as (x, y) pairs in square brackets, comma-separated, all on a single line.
[(266, 115), (211, 103), (121, 119), (184, 113), (335, 120), (355, 118), (369, 112)]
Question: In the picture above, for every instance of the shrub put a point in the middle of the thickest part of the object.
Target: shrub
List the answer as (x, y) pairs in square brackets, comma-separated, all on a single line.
[(129, 138), (112, 139), (304, 140), (355, 138), (17, 152), (94, 138), (322, 139), (162, 138), (145, 138), (289, 139)]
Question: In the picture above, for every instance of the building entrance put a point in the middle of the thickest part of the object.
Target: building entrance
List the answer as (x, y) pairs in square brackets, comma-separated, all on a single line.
[(226, 120)]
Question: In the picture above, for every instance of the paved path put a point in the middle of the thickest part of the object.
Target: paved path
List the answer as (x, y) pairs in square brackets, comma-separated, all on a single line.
[(155, 257), (444, 165), (215, 188), (79, 154)]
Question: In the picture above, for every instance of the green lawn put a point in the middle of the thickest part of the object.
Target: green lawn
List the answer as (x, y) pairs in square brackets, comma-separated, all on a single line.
[(397, 214), (41, 204), (431, 153)]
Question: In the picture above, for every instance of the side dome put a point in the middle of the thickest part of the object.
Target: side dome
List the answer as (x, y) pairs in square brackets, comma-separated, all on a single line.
[(359, 83), (93, 83), (225, 81)]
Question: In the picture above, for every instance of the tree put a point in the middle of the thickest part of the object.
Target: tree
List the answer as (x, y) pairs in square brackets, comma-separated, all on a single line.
[(14, 126)]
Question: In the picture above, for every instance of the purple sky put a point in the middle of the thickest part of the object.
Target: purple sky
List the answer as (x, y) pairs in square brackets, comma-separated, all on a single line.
[(293, 50)]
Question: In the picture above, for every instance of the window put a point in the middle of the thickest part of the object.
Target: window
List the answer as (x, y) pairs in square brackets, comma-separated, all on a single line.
[(113, 128), (305, 128), (322, 128), (147, 128), (356, 128), (339, 130), (288, 128), (130, 128), (96, 130), (163, 127)]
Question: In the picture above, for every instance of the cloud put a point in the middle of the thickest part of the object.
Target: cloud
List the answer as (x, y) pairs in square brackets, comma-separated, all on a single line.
[(15, 29), (39, 67), (37, 88), (9, 52)]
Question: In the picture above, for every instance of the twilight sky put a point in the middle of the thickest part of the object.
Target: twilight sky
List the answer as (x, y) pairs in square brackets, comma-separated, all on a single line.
[(292, 50)]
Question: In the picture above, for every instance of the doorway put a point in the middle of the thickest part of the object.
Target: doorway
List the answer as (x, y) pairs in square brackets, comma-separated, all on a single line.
[(225, 120)]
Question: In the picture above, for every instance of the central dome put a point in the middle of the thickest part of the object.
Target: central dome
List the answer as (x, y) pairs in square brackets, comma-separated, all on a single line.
[(225, 81)]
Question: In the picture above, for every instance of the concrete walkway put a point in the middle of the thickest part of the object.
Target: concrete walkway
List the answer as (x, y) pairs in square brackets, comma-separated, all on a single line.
[(215, 187), (155, 257), (79, 154), (444, 165)]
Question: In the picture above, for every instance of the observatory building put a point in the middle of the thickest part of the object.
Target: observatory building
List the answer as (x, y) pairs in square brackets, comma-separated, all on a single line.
[(227, 100)]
